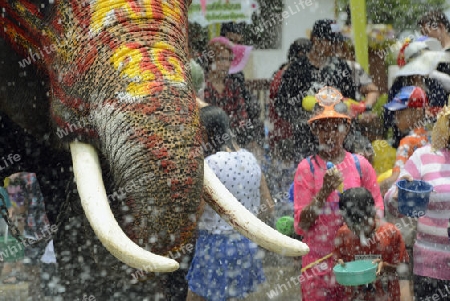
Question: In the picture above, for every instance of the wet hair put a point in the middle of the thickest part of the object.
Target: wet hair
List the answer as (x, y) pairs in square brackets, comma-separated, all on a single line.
[(216, 47), (217, 125), (231, 27), (433, 18), (357, 204), (301, 45)]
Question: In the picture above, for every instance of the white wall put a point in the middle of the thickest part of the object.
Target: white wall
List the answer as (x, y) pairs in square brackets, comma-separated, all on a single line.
[(264, 62)]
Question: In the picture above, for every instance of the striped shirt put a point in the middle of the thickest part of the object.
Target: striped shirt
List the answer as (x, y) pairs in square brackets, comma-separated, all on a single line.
[(432, 246)]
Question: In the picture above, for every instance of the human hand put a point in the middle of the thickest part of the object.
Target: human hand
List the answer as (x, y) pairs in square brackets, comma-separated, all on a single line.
[(405, 177), (332, 179), (380, 266), (384, 186), (341, 262), (10, 212)]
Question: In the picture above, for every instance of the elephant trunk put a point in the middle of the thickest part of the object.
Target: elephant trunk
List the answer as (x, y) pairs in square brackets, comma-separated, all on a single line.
[(157, 168), (120, 80)]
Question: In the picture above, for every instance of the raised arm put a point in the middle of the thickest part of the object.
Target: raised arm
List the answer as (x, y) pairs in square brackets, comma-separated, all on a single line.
[(311, 211)]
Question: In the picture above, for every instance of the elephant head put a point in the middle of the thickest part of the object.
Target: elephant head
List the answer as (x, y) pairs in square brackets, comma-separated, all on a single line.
[(120, 86)]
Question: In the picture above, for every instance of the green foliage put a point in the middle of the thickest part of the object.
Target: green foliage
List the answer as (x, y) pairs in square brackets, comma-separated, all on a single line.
[(402, 14)]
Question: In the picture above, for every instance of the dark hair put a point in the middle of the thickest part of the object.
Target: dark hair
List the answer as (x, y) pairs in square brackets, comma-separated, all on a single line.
[(322, 29), (357, 205), (302, 45), (216, 124), (215, 47), (433, 18), (231, 27)]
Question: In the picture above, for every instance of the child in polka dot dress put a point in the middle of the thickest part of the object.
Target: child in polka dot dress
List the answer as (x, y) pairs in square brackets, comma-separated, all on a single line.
[(227, 265)]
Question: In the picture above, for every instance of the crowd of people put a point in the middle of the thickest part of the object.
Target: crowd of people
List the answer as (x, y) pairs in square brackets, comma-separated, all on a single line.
[(342, 209)]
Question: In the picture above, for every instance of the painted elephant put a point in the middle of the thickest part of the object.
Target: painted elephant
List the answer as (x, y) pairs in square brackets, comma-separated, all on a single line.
[(110, 77)]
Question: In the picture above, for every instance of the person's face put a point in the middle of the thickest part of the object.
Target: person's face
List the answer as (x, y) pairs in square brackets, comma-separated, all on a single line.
[(364, 224), (222, 62), (235, 38), (404, 119), (331, 133), (322, 46), (433, 30)]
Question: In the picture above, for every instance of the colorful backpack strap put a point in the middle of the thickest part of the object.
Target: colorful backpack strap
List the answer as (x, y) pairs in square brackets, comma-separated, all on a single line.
[(358, 165), (311, 166)]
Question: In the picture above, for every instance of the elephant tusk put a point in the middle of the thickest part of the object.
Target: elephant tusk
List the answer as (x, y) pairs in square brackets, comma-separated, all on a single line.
[(229, 208), (92, 192)]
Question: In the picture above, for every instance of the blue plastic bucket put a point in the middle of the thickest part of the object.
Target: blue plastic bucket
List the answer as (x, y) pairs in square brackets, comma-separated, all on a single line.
[(413, 197), (356, 272)]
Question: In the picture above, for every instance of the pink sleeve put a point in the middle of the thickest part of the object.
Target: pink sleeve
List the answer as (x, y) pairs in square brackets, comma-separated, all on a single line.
[(369, 181), (303, 191)]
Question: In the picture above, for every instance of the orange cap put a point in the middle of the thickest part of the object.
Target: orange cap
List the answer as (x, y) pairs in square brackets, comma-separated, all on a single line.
[(328, 97)]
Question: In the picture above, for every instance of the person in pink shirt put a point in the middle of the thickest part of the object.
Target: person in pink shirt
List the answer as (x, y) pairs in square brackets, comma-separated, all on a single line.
[(431, 250), (316, 193)]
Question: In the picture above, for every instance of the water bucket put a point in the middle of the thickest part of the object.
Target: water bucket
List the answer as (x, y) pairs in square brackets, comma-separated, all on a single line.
[(413, 197), (356, 272), (285, 225)]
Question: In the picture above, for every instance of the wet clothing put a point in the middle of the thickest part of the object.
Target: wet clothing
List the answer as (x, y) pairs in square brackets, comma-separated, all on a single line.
[(301, 79), (426, 289), (416, 139), (432, 246), (322, 233), (280, 138), (5, 199), (240, 107), (226, 264), (360, 77), (25, 192), (387, 244)]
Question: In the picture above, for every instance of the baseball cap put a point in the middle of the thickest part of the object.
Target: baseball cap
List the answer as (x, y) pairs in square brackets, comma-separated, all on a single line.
[(408, 97), (327, 29)]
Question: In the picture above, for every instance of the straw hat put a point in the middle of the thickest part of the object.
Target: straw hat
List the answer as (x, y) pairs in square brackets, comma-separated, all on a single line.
[(441, 130)]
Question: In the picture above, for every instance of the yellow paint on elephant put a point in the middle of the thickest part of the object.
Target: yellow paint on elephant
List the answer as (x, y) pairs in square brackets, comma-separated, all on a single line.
[(172, 10), (144, 66), (128, 62), (162, 53), (145, 9), (102, 8)]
